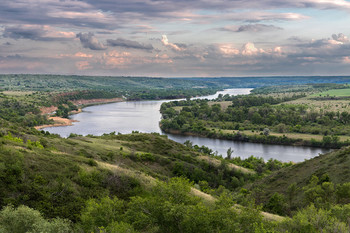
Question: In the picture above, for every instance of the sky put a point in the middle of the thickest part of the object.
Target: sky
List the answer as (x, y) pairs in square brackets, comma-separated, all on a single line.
[(175, 38)]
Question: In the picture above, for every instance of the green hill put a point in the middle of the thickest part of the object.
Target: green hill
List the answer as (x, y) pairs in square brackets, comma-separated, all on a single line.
[(323, 180)]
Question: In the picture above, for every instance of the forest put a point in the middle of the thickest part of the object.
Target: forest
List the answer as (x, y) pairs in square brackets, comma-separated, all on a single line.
[(147, 183)]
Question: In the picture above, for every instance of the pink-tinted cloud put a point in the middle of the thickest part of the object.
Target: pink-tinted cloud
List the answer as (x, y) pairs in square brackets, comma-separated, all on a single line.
[(115, 59), (346, 60), (83, 65), (174, 47), (228, 50)]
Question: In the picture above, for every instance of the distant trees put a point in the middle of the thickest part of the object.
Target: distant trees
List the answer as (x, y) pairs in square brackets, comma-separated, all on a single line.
[(253, 113)]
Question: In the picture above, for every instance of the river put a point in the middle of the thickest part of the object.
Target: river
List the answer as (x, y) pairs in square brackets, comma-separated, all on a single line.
[(144, 116)]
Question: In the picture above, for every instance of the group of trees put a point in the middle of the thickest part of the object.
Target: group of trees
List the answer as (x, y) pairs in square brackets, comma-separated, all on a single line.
[(23, 114), (255, 113)]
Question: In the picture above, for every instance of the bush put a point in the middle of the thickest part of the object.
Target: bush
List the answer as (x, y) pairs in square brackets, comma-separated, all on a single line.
[(24, 219)]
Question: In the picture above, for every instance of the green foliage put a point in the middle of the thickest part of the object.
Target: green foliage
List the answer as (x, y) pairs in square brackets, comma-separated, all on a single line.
[(259, 165), (36, 144), (101, 213), (21, 113), (171, 208), (25, 220), (117, 227), (276, 204), (12, 138), (315, 220)]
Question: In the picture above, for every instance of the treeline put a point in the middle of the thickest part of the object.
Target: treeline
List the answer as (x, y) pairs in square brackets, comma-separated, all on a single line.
[(65, 97), (65, 83), (253, 100), (256, 114), (311, 87), (198, 129), (169, 93)]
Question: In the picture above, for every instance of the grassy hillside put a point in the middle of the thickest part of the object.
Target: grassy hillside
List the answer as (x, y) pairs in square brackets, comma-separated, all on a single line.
[(34, 172), (310, 179)]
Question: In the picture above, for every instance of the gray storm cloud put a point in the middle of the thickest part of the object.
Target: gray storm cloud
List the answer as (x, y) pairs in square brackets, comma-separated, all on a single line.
[(120, 42), (24, 33), (89, 41)]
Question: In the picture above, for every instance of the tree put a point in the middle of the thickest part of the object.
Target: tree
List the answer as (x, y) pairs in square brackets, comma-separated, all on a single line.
[(266, 131), (276, 204), (291, 193), (188, 144), (229, 153), (100, 213)]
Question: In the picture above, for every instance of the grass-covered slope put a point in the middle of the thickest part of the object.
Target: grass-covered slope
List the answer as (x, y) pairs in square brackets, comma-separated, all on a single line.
[(311, 175), (56, 175)]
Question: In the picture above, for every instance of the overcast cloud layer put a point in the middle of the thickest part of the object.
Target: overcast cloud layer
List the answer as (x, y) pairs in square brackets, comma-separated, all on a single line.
[(174, 38)]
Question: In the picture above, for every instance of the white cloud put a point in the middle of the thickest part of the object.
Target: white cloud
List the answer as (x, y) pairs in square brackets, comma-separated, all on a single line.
[(249, 49), (228, 50), (166, 43)]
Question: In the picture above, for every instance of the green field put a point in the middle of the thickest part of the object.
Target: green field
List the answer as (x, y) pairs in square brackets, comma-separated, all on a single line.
[(335, 92)]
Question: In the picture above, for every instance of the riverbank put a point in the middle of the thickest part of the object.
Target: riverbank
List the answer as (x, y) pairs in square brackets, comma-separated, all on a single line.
[(327, 142), (60, 121)]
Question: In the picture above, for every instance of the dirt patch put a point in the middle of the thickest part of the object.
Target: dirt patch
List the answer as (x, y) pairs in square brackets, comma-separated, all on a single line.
[(59, 121), (47, 110)]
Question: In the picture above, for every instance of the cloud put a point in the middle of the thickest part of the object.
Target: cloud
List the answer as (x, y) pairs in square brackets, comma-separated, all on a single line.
[(115, 59), (175, 47), (250, 28), (83, 65), (257, 16), (346, 60), (340, 37), (249, 49), (76, 55), (120, 42), (89, 41), (108, 14), (36, 32), (228, 50)]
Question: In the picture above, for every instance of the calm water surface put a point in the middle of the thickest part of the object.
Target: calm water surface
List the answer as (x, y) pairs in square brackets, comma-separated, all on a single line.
[(144, 116)]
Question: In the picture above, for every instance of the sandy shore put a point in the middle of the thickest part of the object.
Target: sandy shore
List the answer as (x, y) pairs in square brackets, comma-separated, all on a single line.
[(59, 121)]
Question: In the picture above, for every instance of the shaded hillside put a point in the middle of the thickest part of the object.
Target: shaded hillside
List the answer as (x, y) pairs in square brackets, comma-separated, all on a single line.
[(310, 179)]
